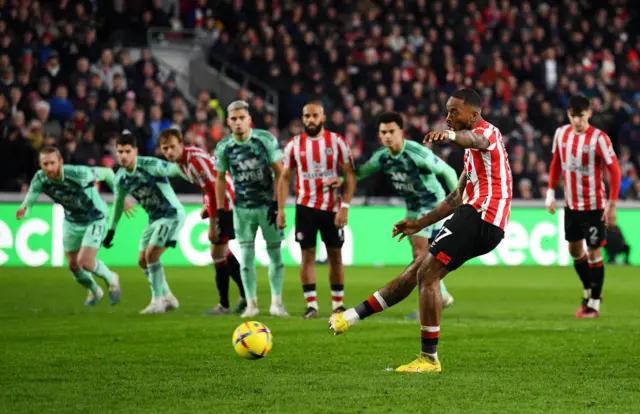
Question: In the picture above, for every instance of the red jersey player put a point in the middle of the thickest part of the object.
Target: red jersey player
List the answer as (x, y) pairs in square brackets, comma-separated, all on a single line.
[(198, 165), (481, 206), (581, 153), (317, 155)]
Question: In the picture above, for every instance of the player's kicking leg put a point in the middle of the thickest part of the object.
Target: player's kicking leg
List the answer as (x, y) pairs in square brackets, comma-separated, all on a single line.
[(420, 243), (73, 235), (463, 237), (390, 294), (87, 259), (273, 236)]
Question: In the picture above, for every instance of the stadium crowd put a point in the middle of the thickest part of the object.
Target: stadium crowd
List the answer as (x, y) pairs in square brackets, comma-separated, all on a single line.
[(64, 83)]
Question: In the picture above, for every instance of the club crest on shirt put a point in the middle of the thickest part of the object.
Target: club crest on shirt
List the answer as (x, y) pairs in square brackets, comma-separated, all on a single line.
[(329, 151), (586, 148)]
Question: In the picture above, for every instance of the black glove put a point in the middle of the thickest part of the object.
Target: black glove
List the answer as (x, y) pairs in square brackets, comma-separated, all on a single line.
[(107, 242), (272, 214), (224, 222)]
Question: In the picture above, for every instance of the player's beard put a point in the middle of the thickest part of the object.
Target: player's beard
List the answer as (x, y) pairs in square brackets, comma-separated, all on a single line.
[(313, 130)]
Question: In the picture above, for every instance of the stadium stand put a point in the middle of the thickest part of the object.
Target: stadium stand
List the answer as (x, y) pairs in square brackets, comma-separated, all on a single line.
[(66, 80)]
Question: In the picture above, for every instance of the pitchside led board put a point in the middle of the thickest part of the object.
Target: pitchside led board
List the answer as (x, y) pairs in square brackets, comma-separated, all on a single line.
[(533, 237)]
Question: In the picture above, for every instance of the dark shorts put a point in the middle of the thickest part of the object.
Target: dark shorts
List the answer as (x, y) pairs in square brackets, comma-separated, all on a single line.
[(464, 236), (213, 213), (310, 221), (587, 225)]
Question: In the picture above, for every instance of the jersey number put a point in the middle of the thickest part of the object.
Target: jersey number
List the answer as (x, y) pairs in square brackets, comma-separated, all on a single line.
[(163, 231), (444, 232), (97, 230), (593, 234)]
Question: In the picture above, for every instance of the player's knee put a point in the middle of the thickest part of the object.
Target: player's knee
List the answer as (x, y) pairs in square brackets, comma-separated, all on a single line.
[(308, 256), (334, 256), (85, 261), (426, 273), (73, 265), (142, 261), (576, 249), (594, 254), (151, 256), (218, 251)]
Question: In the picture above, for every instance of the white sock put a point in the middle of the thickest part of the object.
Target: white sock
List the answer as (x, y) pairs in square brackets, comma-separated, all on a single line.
[(276, 300), (311, 298), (587, 293), (432, 356), (594, 304), (337, 299), (351, 316), (252, 302)]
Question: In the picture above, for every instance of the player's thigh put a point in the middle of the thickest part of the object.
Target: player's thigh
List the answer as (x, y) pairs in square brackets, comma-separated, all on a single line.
[(306, 227), (153, 253), (94, 234), (73, 235), (213, 224), (419, 244), (219, 250), (146, 237), (245, 224), (454, 243), (593, 229), (72, 260), (489, 237), (270, 232), (332, 236), (162, 233)]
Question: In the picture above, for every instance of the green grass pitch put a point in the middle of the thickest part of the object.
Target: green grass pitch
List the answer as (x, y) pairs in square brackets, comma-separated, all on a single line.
[(510, 343)]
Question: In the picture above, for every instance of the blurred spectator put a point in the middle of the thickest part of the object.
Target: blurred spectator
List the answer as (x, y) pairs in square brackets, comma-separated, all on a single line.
[(525, 57)]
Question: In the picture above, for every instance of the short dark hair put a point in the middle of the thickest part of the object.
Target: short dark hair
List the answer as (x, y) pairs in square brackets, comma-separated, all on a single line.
[(166, 134), (578, 104), (389, 117), (315, 102), (127, 138), (469, 97), (50, 150)]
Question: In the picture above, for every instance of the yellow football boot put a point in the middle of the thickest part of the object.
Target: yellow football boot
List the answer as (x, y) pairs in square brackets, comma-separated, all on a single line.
[(338, 324), (422, 364)]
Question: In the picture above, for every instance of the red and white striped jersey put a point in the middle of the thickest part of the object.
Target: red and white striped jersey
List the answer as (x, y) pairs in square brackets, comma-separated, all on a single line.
[(199, 166), (316, 160), (583, 158), (489, 184)]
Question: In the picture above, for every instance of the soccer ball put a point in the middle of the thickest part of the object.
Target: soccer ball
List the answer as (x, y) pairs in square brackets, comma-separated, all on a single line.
[(252, 340)]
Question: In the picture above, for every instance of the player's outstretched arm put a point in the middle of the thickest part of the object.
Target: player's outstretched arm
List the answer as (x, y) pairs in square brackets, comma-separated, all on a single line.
[(35, 188), (104, 174), (407, 227), (168, 169), (371, 166), (464, 139)]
